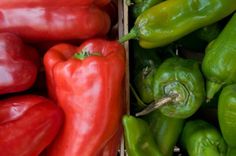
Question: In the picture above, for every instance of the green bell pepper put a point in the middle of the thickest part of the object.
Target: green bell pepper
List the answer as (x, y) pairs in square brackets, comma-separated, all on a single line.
[(170, 20), (227, 117), (165, 130), (218, 64), (200, 138), (178, 88), (138, 138)]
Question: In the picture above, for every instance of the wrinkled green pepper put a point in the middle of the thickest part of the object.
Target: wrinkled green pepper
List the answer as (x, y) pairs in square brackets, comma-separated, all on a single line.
[(178, 88), (218, 63), (200, 138), (227, 117), (138, 138), (140, 6), (170, 20), (166, 131)]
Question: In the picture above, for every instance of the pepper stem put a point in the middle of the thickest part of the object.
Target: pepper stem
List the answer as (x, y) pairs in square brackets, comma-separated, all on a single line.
[(129, 2), (131, 35), (84, 54), (212, 89), (139, 101), (157, 104)]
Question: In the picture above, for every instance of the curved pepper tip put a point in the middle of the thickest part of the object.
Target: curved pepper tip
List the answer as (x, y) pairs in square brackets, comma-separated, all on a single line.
[(212, 89)]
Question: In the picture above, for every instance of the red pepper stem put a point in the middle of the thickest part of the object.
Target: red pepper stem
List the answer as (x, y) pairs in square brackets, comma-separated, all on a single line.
[(133, 34), (157, 104)]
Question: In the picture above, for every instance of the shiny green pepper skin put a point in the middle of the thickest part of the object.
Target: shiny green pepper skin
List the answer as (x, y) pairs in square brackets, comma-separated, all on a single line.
[(200, 138), (138, 138), (181, 77), (166, 131), (170, 20), (141, 5), (227, 117), (218, 64)]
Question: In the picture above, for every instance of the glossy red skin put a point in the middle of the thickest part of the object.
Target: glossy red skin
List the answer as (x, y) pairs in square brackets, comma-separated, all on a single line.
[(28, 124), (43, 3), (113, 145), (101, 3), (35, 24), (18, 64), (89, 92), (112, 10)]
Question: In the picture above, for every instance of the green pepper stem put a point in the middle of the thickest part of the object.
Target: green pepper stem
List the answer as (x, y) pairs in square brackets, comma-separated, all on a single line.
[(84, 54), (212, 89), (140, 102), (131, 35), (129, 2), (157, 104)]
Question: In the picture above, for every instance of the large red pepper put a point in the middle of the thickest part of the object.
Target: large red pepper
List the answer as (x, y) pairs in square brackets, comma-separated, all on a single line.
[(18, 64), (89, 90), (54, 23), (50, 3), (28, 124)]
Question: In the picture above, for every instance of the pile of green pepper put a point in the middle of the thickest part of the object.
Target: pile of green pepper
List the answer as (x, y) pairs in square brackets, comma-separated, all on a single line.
[(172, 86)]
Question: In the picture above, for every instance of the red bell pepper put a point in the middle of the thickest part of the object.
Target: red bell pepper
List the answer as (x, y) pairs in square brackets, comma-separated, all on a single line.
[(28, 124), (89, 90), (35, 24), (18, 64), (50, 3)]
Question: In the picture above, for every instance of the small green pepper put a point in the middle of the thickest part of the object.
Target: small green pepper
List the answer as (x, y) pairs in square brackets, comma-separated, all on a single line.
[(227, 117), (138, 138), (178, 88), (200, 138), (170, 20), (218, 64)]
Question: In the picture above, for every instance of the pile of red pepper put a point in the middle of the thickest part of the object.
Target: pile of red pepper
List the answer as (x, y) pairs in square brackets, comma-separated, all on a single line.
[(61, 78)]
